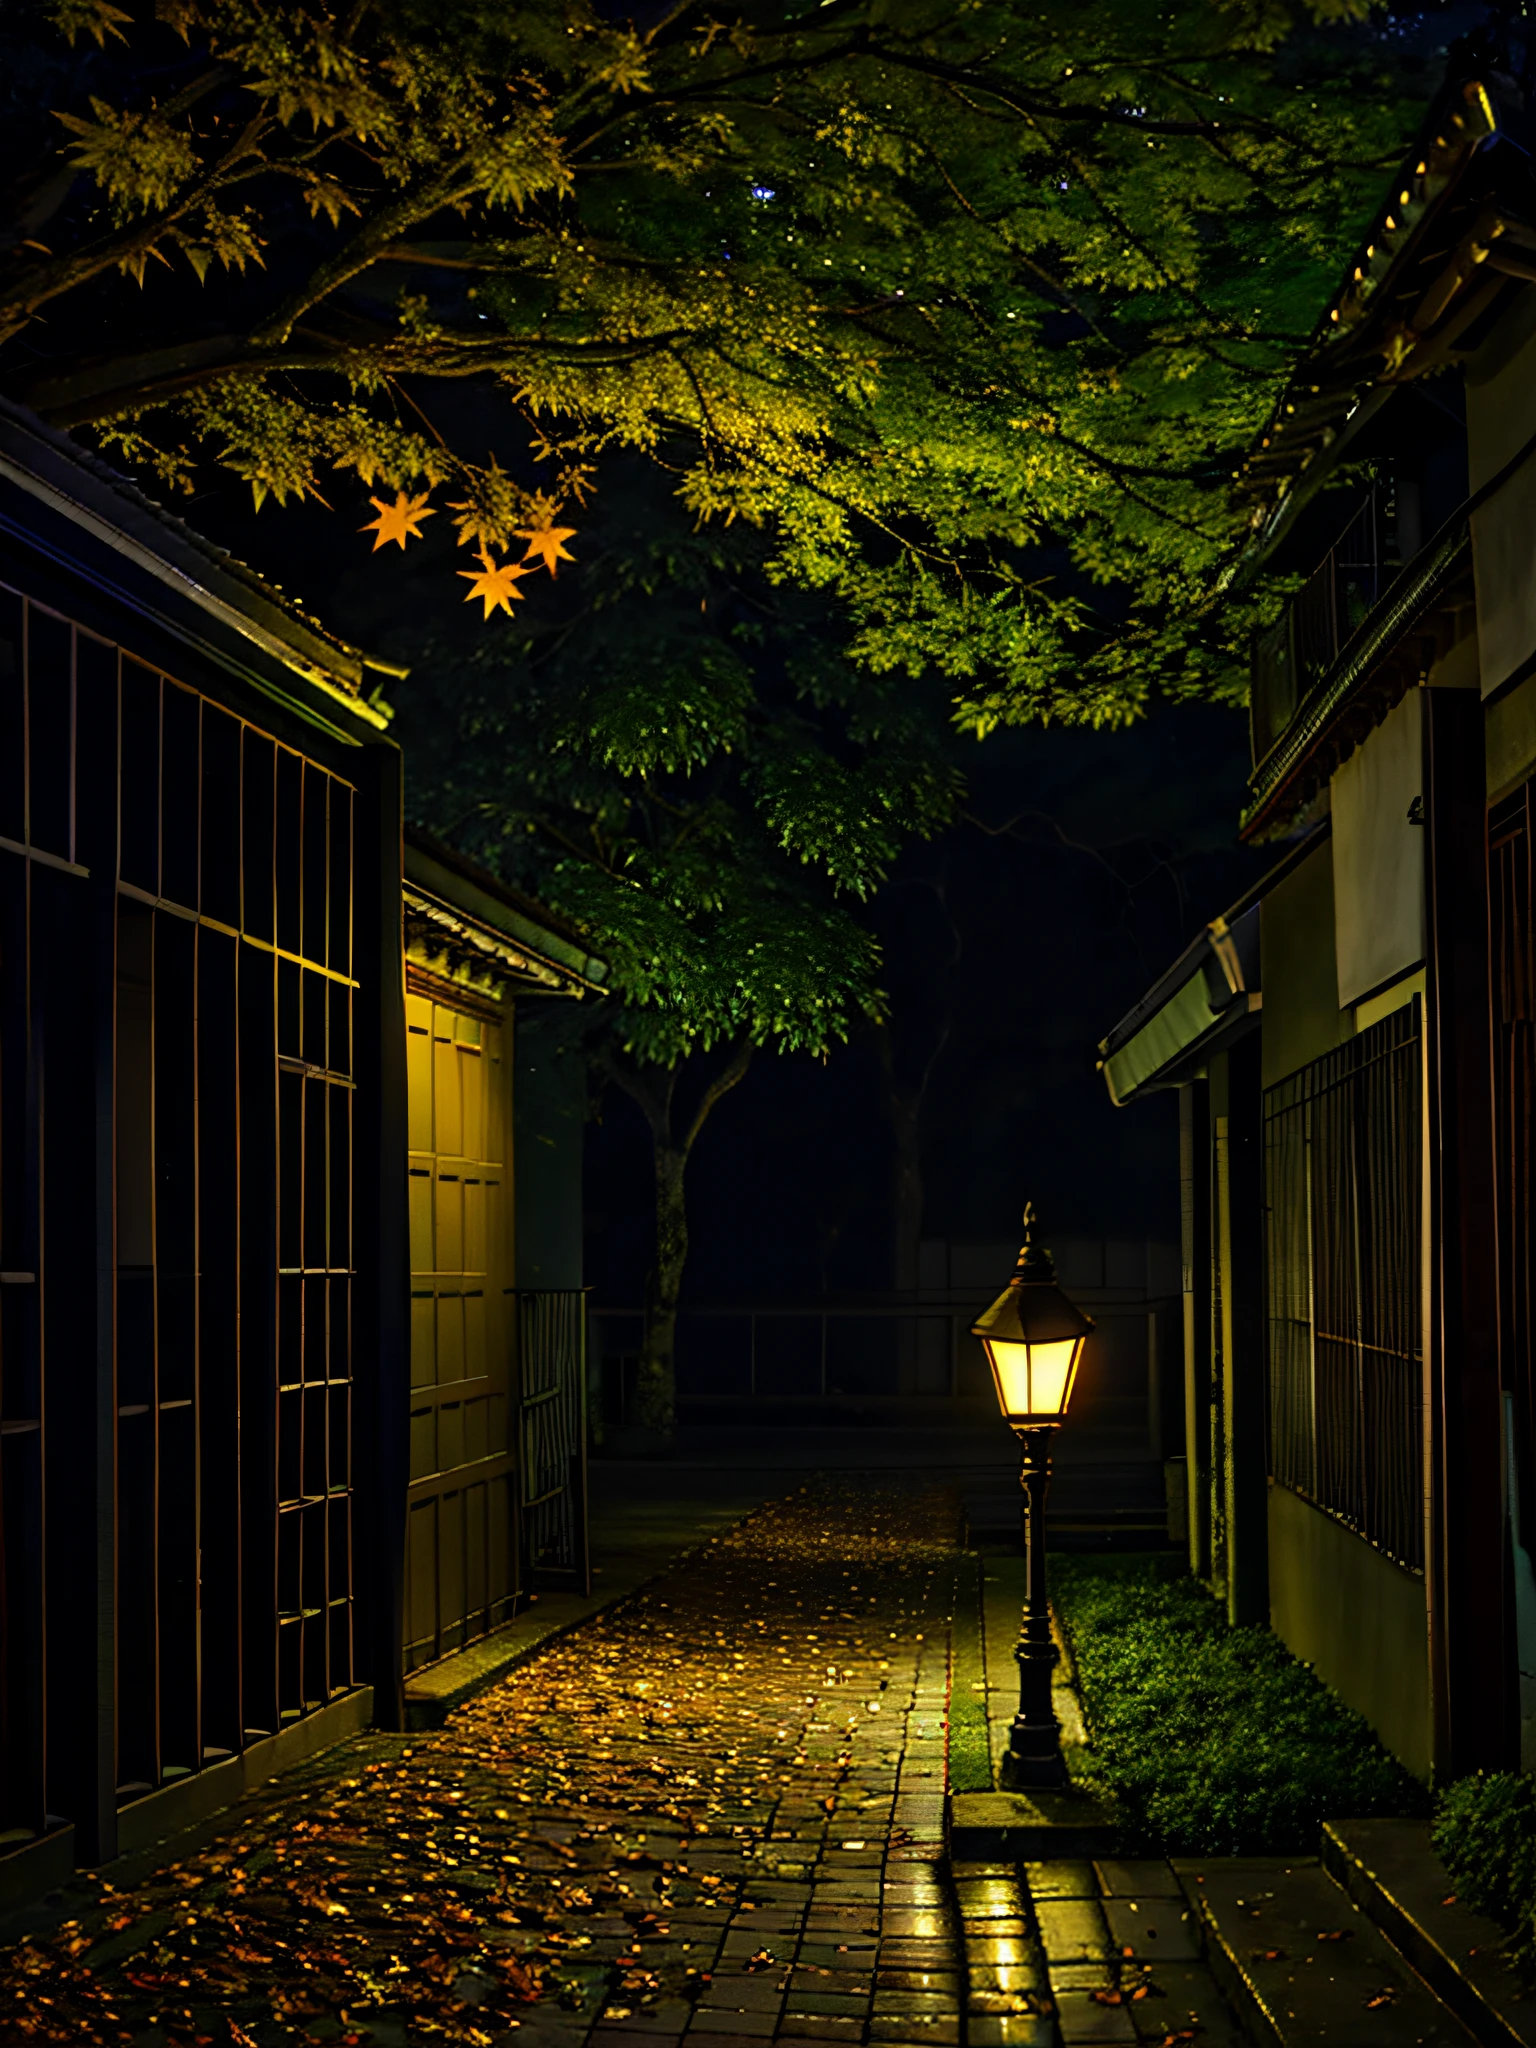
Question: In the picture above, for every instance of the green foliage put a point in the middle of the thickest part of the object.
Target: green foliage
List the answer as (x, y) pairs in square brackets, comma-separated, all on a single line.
[(1213, 1740), (1485, 1835), (968, 305), (677, 755)]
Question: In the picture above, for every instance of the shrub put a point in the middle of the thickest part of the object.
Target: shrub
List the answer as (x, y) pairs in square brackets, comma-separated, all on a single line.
[(1485, 1835), (1212, 1740)]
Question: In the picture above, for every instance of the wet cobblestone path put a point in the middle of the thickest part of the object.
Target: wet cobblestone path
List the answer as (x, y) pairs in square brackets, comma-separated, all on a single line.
[(716, 1812)]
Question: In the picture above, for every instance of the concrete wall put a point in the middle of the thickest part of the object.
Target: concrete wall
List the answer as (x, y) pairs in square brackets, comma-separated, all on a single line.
[(1339, 1604), (1302, 1019)]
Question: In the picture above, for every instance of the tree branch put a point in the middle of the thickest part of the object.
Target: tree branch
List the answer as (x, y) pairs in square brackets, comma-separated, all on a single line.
[(1047, 110), (734, 1071), (653, 1102)]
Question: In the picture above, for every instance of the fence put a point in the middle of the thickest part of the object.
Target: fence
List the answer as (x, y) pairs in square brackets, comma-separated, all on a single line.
[(552, 1364), (1343, 1196), (910, 1353)]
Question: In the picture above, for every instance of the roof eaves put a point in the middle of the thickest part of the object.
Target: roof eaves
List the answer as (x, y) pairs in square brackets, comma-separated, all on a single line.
[(87, 492), (1385, 326), (460, 934), (1278, 779), (466, 892), (1176, 1025)]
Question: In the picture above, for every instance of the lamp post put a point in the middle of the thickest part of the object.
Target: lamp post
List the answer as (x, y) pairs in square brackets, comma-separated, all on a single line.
[(1033, 1337)]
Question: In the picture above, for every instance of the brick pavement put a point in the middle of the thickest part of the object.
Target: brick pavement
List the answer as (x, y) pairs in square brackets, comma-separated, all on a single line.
[(714, 1813)]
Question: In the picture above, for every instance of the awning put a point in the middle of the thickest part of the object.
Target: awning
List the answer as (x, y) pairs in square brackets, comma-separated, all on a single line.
[(1208, 999)]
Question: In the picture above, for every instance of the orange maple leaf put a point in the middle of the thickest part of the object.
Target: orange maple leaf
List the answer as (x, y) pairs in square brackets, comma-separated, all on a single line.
[(399, 522), (492, 585), (548, 543)]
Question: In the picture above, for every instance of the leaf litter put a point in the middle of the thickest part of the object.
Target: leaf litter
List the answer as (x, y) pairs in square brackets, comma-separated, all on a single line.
[(575, 1840)]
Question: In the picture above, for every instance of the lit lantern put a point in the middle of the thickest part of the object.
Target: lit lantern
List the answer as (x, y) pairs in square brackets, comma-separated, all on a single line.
[(1033, 1337)]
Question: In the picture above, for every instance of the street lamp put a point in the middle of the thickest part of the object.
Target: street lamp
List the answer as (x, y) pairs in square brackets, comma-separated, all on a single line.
[(1033, 1337)]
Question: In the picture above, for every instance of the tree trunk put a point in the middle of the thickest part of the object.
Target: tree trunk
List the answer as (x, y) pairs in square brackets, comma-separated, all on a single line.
[(654, 1091), (905, 1108), (657, 1392)]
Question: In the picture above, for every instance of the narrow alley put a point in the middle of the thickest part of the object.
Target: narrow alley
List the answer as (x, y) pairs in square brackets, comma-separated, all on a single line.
[(717, 1810)]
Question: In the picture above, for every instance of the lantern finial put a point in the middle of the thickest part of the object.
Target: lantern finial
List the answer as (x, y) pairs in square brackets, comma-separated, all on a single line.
[(1034, 1260)]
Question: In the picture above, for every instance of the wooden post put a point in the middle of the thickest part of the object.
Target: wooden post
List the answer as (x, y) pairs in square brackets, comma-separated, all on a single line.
[(1474, 1709), (383, 1257), (1195, 1251), (1241, 1228)]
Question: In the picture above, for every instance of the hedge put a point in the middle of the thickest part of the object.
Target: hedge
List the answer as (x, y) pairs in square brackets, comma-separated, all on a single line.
[(1211, 1740)]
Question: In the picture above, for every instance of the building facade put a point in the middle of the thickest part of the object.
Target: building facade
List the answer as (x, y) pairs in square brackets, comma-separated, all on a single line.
[(208, 1384), (1351, 1042)]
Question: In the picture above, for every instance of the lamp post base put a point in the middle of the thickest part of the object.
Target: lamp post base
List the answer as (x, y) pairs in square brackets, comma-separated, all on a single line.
[(1034, 1770), (1034, 1754)]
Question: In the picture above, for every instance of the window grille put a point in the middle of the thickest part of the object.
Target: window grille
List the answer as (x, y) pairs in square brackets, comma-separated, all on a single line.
[(1344, 1259), (1330, 607), (552, 1361), (234, 1204), (41, 892), (226, 1366)]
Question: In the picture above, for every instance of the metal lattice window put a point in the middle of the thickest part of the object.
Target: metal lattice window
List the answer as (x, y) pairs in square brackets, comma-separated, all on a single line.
[(222, 1376), (234, 1253), (40, 895), (1344, 1259), (552, 1358)]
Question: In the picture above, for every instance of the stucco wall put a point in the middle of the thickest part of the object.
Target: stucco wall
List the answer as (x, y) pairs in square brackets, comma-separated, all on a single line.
[(1339, 1604), (1511, 739), (1378, 855), (1302, 1019)]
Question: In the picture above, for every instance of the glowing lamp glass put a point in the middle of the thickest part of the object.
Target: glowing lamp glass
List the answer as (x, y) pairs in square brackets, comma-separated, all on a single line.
[(1033, 1335), (1034, 1380)]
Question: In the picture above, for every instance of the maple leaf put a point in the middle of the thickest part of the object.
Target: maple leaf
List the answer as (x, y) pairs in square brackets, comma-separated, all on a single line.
[(399, 522), (548, 543), (492, 585)]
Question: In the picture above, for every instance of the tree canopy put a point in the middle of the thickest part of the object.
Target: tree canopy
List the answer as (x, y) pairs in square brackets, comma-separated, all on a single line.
[(967, 305), (680, 756)]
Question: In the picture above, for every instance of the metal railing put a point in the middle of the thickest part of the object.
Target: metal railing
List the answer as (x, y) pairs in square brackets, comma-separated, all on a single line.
[(552, 1410), (1319, 622), (870, 1354), (1343, 1258)]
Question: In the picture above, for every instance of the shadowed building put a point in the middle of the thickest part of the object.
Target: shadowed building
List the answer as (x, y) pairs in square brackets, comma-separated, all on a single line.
[(208, 1385), (1357, 1178)]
